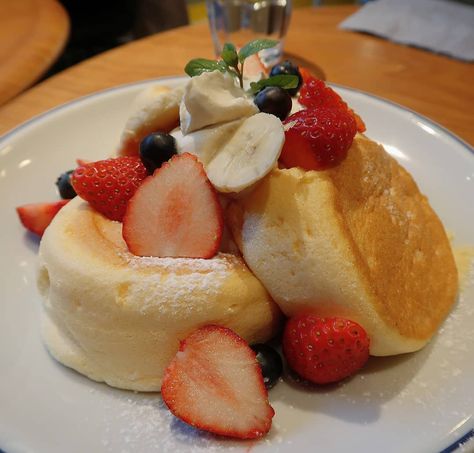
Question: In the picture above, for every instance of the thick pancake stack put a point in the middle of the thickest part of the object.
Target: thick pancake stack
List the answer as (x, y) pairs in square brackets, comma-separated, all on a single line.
[(118, 318), (358, 241)]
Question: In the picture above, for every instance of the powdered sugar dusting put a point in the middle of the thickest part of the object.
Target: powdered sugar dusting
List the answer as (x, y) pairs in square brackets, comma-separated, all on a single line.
[(180, 286), (220, 263), (396, 394), (146, 425), (464, 257)]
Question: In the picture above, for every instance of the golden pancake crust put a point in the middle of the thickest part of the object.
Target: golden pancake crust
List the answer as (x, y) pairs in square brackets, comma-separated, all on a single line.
[(358, 241), (399, 241)]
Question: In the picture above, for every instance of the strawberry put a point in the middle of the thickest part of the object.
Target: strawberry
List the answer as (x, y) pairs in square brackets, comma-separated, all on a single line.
[(359, 122), (317, 139), (175, 213), (305, 73), (35, 217), (254, 67), (324, 350), (315, 94), (81, 162), (214, 383), (108, 184)]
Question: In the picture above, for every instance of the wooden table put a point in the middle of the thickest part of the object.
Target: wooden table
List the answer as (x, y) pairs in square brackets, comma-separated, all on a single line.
[(32, 35), (436, 86)]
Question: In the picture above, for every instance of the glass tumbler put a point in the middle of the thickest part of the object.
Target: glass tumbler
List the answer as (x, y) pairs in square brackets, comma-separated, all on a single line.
[(241, 21)]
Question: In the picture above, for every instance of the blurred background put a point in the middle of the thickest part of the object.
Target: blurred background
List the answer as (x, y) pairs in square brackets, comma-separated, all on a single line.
[(40, 38), (99, 25)]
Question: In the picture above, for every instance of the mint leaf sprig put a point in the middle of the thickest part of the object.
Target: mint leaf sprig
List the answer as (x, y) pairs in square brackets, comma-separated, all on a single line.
[(233, 63), (285, 81)]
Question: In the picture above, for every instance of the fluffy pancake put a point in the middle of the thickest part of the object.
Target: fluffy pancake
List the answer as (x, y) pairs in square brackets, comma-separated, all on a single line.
[(358, 241), (154, 109), (119, 318)]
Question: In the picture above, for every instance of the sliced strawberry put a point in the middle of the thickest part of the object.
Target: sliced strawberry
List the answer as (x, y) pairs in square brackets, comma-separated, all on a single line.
[(214, 383), (297, 152), (175, 213), (35, 217)]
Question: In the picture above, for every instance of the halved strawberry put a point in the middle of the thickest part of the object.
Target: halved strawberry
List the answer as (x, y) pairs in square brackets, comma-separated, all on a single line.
[(35, 217), (175, 213), (215, 383)]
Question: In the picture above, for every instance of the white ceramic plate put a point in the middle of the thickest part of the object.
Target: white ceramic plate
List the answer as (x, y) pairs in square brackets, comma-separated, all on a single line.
[(421, 402)]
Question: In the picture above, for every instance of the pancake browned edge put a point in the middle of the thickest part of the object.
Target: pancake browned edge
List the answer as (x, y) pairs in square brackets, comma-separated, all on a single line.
[(119, 318), (358, 241)]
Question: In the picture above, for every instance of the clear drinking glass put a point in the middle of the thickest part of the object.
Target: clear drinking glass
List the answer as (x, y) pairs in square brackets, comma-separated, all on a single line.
[(241, 21)]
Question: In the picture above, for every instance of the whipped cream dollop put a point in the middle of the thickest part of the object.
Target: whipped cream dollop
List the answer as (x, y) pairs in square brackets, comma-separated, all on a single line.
[(223, 128), (212, 98)]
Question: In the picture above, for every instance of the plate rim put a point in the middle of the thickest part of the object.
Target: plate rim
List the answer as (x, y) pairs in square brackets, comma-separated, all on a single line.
[(40, 116)]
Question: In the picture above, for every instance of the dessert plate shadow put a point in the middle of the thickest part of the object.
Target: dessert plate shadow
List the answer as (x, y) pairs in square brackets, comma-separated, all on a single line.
[(421, 402)]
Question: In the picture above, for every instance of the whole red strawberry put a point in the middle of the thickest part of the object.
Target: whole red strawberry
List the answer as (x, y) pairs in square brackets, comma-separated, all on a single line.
[(108, 184), (317, 139), (324, 350), (316, 94)]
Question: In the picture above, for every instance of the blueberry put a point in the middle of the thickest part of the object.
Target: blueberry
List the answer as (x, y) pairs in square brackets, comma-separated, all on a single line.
[(156, 149), (66, 191), (274, 100), (270, 363), (288, 68)]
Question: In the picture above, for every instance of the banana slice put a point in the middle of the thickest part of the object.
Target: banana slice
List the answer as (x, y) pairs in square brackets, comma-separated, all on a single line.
[(237, 154), (205, 143)]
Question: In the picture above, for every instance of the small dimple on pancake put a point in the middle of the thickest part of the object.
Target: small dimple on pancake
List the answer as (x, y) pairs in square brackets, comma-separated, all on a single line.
[(398, 239)]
